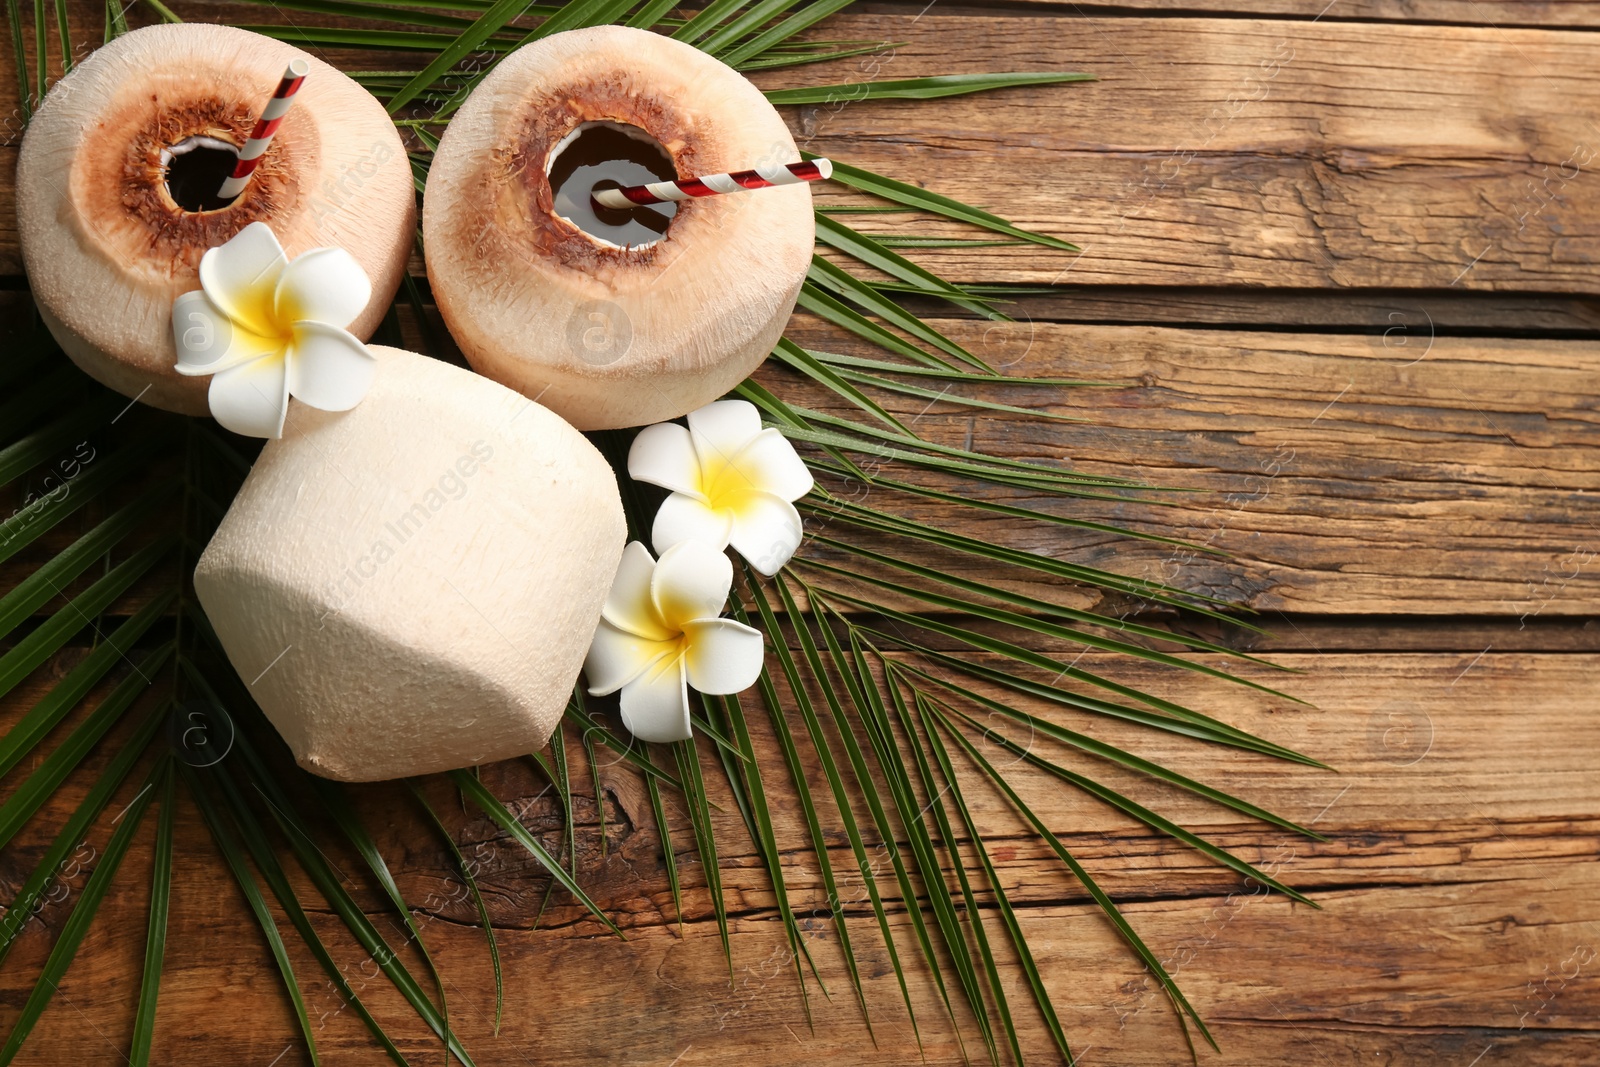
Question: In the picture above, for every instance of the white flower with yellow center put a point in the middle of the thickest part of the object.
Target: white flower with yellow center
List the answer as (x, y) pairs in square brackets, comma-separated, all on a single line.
[(267, 329), (732, 483), (660, 633)]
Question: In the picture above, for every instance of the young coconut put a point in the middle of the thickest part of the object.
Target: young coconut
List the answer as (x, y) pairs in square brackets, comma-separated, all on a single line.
[(411, 585), (117, 184), (605, 320)]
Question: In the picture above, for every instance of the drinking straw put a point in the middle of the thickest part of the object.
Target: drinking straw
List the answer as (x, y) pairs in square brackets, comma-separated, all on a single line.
[(266, 126), (712, 184)]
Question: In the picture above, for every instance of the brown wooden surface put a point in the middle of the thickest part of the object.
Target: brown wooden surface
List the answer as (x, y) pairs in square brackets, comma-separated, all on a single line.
[(1342, 306)]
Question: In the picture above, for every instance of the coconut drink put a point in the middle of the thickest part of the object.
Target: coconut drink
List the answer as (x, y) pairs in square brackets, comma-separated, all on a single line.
[(613, 317), (120, 182), (411, 585)]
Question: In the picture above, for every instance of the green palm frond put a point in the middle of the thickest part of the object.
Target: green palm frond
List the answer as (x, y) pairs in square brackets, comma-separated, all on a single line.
[(920, 88), (887, 671)]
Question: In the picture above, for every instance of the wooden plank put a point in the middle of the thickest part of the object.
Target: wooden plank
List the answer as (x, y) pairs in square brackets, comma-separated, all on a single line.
[(1531, 14), (1322, 469), (1460, 913), (1237, 152), (1226, 152), (1355, 633), (659, 999), (1403, 318), (1455, 900), (1345, 474)]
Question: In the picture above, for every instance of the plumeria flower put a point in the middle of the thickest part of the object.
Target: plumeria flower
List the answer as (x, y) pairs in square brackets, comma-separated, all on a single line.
[(660, 633), (732, 483), (267, 328)]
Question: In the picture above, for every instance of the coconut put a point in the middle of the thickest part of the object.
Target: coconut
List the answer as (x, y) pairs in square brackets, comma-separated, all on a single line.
[(118, 173), (411, 586), (614, 324)]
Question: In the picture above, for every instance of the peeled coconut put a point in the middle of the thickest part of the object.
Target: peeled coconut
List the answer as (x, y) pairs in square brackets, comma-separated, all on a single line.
[(614, 324), (411, 586), (159, 113)]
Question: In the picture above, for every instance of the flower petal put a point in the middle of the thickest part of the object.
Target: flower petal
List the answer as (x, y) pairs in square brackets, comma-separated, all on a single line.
[(241, 276), (329, 368), (723, 428), (664, 455), (766, 531), (655, 705), (683, 518), (628, 606), (770, 463), (324, 285), (208, 342), (252, 398), (617, 657), (723, 656), (201, 333), (691, 581)]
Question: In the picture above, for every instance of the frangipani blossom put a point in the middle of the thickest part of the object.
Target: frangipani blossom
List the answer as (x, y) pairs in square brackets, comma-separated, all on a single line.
[(267, 329), (660, 633), (732, 483)]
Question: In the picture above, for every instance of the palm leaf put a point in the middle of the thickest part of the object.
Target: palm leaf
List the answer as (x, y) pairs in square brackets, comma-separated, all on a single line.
[(78, 614), (77, 924), (166, 13), (484, 27), (64, 34), (819, 845), (919, 88), (155, 938), (497, 811), (1122, 926), (31, 894), (864, 783), (228, 845), (253, 833), (38, 787), (707, 19), (827, 275), (19, 57), (776, 59), (749, 782), (874, 253), (465, 869), (935, 203), (670, 854), (694, 792), (797, 22), (952, 787), (41, 51), (116, 26), (880, 713), (869, 707), (349, 822), (1127, 806), (841, 795)]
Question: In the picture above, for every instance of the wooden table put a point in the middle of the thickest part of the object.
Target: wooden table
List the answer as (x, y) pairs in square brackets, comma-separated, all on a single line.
[(1347, 257)]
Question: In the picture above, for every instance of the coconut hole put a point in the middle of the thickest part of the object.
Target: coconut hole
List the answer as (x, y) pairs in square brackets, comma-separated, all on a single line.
[(607, 155), (195, 168)]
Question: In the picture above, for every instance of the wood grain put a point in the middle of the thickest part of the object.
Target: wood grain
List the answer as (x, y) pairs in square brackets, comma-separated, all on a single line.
[(1345, 267), (1451, 880), (1243, 152), (1342, 473), (1226, 152), (1532, 14), (1376, 313)]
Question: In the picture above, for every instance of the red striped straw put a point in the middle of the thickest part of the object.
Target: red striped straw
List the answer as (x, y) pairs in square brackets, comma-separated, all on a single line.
[(267, 125), (713, 184)]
